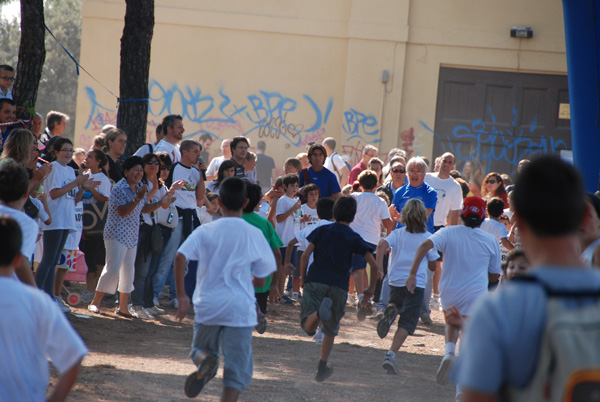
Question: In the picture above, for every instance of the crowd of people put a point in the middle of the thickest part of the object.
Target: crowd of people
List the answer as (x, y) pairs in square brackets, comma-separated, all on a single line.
[(393, 239)]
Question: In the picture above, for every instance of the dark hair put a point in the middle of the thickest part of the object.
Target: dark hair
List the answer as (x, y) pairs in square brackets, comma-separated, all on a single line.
[(313, 148), (344, 209), (53, 118), (254, 193), (131, 162), (226, 164), (186, 145), (169, 121), (325, 208), (455, 174), (101, 158), (236, 141), (464, 187), (6, 100), (159, 129), (311, 187), (6, 67), (11, 239), (205, 136), (59, 142), (499, 191), (233, 193), (471, 220), (147, 158), (549, 212), (164, 158), (495, 207), (14, 181), (368, 179), (290, 179), (210, 196)]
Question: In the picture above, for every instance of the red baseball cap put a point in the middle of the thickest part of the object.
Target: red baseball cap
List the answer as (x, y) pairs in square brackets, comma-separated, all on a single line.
[(473, 205)]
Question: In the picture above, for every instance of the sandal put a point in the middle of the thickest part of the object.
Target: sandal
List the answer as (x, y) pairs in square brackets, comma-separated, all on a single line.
[(122, 314)]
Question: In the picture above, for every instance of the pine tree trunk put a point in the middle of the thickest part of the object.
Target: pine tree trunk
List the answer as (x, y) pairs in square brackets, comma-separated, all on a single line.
[(32, 52), (135, 70)]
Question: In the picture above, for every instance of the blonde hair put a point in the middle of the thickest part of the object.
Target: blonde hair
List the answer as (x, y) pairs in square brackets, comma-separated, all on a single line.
[(18, 146), (414, 216)]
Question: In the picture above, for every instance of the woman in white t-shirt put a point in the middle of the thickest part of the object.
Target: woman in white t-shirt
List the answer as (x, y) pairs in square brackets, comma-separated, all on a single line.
[(64, 190), (93, 249)]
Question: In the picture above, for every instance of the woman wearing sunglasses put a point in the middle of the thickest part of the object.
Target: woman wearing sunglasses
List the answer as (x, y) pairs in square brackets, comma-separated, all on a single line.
[(493, 186)]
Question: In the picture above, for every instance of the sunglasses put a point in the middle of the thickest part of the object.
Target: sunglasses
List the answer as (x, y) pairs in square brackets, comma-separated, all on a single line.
[(163, 167), (398, 171), (152, 163)]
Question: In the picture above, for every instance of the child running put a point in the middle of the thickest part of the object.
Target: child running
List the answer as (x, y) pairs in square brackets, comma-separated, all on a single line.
[(404, 243), (326, 283), (230, 252)]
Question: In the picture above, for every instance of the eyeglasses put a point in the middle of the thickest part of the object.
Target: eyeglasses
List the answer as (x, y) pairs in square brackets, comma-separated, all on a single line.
[(69, 151), (153, 163), (398, 171), (9, 78)]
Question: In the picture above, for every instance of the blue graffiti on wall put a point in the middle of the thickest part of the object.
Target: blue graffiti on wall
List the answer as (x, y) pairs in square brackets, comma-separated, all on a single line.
[(507, 145), (270, 113)]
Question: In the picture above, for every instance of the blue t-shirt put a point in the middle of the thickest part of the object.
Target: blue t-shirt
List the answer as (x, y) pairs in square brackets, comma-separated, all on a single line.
[(503, 336), (424, 192), (334, 246), (325, 179)]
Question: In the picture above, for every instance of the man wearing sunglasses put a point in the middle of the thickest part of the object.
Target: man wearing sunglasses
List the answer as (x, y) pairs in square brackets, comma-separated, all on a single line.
[(7, 79)]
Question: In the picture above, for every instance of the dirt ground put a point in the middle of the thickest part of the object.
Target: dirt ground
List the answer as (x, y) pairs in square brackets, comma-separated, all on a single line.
[(136, 360)]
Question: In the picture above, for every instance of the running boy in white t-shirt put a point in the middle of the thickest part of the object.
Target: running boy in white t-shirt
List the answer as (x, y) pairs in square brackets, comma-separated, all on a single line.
[(492, 224), (287, 222), (233, 257)]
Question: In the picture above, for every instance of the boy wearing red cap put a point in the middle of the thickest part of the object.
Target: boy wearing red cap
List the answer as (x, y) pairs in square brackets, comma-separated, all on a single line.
[(471, 261)]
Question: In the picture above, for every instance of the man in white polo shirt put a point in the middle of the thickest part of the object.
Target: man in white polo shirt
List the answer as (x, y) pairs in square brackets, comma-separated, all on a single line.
[(172, 128)]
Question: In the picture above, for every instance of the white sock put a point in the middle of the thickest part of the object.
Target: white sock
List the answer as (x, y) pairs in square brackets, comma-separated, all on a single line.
[(391, 353), (450, 348)]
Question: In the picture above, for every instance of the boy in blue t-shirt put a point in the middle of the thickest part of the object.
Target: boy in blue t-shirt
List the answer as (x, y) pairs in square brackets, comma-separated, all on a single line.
[(326, 283)]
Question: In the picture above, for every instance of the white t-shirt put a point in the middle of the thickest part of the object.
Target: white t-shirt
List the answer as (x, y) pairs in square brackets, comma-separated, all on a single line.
[(449, 197), (74, 237), (204, 216), (211, 187), (32, 329), (42, 215), (302, 237), (145, 150), (335, 159), (213, 166), (172, 150), (61, 208), (306, 210), (104, 187), (286, 228), (404, 247), (186, 197), (229, 251), (494, 227), (29, 230), (370, 211), (160, 193), (469, 254)]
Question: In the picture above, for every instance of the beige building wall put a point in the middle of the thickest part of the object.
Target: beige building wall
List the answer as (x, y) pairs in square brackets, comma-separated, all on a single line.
[(290, 72)]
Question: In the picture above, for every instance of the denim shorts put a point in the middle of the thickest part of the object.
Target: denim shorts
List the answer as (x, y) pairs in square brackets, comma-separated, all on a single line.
[(236, 344), (313, 295), (358, 261), (409, 306)]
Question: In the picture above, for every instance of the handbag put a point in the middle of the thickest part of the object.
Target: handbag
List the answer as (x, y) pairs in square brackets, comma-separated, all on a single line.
[(156, 239), (167, 217)]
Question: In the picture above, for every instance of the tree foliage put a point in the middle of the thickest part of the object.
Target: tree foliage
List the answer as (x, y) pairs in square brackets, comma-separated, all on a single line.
[(58, 84)]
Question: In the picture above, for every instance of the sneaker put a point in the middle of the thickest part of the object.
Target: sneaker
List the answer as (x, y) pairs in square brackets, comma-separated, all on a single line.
[(174, 303), (389, 364), (155, 310), (296, 296), (94, 309), (383, 326), (324, 312), (351, 300), (435, 303), (363, 312), (444, 370), (318, 337), (426, 319), (198, 379), (377, 316), (261, 327), (86, 296), (285, 299), (141, 313), (155, 302), (325, 374), (62, 305)]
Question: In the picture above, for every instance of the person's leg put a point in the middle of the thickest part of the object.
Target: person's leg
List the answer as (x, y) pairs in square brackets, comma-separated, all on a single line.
[(236, 343), (451, 334), (165, 265), (425, 312), (107, 283), (337, 298), (384, 297), (326, 347), (436, 277), (205, 355), (143, 259), (126, 276), (54, 242)]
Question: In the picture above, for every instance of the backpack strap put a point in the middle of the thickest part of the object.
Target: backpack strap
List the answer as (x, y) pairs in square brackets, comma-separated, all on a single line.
[(557, 293), (306, 176)]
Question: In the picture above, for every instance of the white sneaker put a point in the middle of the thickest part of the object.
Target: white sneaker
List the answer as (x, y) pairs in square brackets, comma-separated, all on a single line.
[(94, 309), (318, 337), (296, 296), (141, 312), (444, 370), (155, 310), (62, 305), (435, 303)]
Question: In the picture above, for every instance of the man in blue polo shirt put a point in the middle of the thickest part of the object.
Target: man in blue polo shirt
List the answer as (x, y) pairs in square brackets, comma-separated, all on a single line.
[(319, 174)]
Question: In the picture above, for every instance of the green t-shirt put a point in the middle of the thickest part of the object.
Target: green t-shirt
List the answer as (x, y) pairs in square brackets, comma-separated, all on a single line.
[(272, 238)]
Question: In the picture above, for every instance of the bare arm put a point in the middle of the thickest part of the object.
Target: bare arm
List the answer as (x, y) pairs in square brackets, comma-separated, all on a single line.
[(274, 295), (65, 383), (389, 225), (304, 262), (59, 192), (184, 300), (429, 211), (345, 174), (289, 212), (411, 281), (382, 248), (368, 293), (453, 218), (507, 244), (23, 271), (475, 396)]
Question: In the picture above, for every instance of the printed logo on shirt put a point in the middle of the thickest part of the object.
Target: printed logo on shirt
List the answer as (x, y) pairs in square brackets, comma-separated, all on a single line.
[(71, 194)]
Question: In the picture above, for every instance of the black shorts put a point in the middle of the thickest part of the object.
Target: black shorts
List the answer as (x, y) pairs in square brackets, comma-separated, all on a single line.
[(94, 253), (409, 306)]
